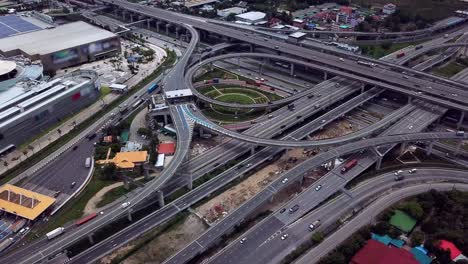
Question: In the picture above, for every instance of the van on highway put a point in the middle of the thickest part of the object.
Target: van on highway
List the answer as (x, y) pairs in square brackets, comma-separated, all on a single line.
[(314, 225), (88, 162), (125, 205)]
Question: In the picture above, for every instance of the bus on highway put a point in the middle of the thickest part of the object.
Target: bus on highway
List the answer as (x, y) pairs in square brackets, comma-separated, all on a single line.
[(152, 87), (7, 150), (85, 219)]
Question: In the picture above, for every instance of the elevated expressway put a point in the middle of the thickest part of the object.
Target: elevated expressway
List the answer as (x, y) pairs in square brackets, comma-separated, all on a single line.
[(455, 102), (333, 181), (293, 175), (283, 47)]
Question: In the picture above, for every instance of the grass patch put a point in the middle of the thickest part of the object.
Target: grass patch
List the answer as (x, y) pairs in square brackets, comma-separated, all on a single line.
[(114, 194), (377, 51), (43, 153), (449, 70), (105, 90)]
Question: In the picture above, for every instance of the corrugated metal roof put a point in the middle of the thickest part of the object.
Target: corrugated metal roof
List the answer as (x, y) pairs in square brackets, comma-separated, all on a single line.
[(56, 39)]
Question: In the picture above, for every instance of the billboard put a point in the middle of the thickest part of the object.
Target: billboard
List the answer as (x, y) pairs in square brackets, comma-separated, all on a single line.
[(64, 55)]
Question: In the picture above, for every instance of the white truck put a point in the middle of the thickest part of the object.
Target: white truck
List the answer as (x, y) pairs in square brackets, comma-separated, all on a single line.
[(55, 233)]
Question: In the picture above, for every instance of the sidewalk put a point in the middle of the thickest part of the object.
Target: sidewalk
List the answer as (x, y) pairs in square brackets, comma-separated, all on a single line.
[(17, 156)]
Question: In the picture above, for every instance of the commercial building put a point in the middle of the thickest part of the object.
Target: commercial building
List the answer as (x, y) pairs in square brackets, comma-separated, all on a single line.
[(455, 253), (253, 17), (29, 108), (232, 10), (16, 70), (22, 202), (64, 46)]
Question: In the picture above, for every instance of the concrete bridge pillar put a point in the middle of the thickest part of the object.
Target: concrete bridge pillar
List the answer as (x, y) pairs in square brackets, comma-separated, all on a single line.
[(378, 164), (272, 198), (301, 181), (148, 23), (457, 150), (146, 171), (165, 119), (460, 122), (116, 12), (200, 131), (126, 183), (261, 67), (252, 150), (160, 198), (238, 62), (157, 25), (190, 181), (177, 32), (362, 87), (90, 238), (403, 148), (252, 48), (167, 28), (325, 76), (410, 99), (131, 17), (129, 214), (429, 148), (291, 71)]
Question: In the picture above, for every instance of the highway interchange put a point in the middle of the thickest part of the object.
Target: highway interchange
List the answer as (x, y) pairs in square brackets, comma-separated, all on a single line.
[(185, 117)]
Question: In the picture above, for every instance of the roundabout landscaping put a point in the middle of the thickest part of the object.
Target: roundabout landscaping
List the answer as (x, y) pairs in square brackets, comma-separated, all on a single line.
[(235, 94)]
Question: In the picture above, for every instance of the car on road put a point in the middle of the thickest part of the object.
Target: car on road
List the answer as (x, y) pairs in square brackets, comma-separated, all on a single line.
[(398, 178), (248, 165), (125, 205), (412, 171), (398, 172), (72, 184), (283, 237), (314, 225), (293, 209), (341, 59), (285, 180), (270, 116), (243, 240), (282, 210), (91, 136), (75, 147), (57, 193), (318, 188)]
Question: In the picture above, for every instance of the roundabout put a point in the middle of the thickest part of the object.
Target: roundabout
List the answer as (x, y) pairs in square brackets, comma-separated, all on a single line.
[(235, 94)]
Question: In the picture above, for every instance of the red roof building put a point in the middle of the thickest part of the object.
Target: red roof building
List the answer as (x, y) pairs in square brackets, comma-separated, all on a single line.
[(375, 252), (346, 9), (449, 246), (166, 148)]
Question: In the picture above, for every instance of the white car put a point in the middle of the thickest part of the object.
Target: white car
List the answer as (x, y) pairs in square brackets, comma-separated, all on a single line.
[(243, 240), (318, 188), (283, 237), (285, 180), (398, 172), (412, 171)]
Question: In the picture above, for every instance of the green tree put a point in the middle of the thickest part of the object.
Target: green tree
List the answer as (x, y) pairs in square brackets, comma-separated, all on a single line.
[(109, 172), (231, 17), (417, 238), (413, 208), (317, 237)]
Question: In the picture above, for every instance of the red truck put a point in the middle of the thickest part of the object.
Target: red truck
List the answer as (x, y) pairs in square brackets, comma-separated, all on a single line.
[(349, 165), (85, 219), (399, 55)]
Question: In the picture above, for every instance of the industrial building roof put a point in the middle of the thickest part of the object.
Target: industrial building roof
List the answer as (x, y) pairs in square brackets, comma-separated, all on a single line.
[(22, 202), (7, 66), (252, 16), (56, 39), (166, 148)]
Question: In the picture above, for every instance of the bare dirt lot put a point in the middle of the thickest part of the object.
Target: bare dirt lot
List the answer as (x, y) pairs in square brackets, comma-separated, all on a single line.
[(220, 205)]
